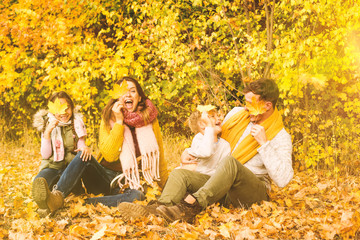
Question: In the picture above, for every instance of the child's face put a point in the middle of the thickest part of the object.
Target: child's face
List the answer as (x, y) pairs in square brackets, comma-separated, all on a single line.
[(68, 112), (216, 121), (212, 120)]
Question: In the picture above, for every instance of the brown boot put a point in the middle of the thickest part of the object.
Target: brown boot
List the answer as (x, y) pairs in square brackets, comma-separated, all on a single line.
[(44, 198), (132, 210), (39, 191), (182, 211), (55, 200)]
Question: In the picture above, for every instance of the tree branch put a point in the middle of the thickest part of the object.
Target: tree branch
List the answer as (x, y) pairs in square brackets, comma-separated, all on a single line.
[(236, 46), (248, 33), (269, 30)]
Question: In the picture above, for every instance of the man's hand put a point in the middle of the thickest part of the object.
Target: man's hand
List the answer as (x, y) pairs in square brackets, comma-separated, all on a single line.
[(186, 158), (85, 153), (258, 132)]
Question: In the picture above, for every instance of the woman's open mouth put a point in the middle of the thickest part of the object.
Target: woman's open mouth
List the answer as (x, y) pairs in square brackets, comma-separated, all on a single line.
[(128, 104)]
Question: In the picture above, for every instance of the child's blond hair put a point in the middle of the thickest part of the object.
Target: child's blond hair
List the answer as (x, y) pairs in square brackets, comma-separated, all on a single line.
[(193, 121)]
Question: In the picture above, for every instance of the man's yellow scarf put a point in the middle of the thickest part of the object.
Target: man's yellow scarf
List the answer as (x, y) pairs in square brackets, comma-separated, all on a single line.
[(235, 126)]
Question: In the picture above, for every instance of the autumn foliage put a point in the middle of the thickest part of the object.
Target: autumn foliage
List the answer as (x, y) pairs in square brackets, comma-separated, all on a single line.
[(313, 206), (188, 53)]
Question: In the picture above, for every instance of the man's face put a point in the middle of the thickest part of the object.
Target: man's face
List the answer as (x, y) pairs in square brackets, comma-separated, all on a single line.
[(249, 98)]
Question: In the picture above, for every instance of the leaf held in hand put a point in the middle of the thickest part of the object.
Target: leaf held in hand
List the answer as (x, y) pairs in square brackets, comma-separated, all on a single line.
[(56, 107), (256, 107), (119, 90), (205, 108)]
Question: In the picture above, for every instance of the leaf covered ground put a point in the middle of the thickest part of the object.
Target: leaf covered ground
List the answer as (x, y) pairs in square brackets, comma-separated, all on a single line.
[(314, 205)]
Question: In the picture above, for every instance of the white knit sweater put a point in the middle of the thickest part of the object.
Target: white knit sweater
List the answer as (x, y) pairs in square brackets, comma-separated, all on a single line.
[(273, 160), (208, 152)]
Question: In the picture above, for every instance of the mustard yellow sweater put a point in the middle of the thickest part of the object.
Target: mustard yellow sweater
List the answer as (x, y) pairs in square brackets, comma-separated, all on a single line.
[(110, 144)]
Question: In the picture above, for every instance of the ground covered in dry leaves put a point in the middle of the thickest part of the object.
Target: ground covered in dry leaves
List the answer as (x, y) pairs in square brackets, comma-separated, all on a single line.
[(314, 205)]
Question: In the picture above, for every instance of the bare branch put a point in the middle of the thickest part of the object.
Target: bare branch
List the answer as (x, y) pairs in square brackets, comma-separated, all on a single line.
[(269, 30), (236, 46), (248, 31)]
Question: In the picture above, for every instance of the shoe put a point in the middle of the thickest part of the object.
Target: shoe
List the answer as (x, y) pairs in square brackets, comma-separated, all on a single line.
[(44, 198), (43, 212), (182, 211), (133, 211), (55, 200), (152, 206), (39, 192)]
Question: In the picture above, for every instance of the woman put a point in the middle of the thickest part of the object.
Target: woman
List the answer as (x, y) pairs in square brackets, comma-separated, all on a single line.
[(129, 131), (130, 141)]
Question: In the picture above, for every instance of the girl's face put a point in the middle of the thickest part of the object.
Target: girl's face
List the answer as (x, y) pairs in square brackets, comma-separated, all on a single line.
[(131, 98), (68, 112)]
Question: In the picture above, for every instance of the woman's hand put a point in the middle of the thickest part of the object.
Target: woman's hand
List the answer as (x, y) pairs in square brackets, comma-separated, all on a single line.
[(258, 132), (85, 153), (49, 128), (116, 109)]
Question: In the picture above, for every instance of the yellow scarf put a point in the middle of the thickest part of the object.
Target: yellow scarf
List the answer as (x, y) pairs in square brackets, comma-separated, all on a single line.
[(235, 126)]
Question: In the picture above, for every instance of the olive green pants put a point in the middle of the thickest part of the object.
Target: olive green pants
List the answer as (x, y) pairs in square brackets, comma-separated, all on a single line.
[(232, 183)]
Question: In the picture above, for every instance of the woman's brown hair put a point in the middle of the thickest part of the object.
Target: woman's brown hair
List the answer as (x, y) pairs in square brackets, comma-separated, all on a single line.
[(144, 110)]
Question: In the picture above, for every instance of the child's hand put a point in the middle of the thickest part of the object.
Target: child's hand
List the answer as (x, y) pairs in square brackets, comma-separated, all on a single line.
[(50, 127), (85, 153), (186, 158), (205, 118)]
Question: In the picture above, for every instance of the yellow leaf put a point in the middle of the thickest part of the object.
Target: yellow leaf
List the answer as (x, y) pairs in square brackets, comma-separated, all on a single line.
[(56, 107), (205, 108), (225, 229), (99, 234), (256, 107), (119, 90), (288, 202), (152, 192)]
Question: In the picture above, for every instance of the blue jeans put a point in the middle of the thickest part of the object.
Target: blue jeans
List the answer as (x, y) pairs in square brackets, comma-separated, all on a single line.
[(129, 195), (97, 180), (51, 175), (94, 176)]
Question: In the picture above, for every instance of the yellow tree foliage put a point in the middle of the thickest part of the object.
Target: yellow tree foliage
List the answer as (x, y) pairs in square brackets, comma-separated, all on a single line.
[(189, 53)]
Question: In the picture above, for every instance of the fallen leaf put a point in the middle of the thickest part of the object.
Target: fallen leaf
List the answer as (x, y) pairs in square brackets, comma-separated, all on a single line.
[(99, 234)]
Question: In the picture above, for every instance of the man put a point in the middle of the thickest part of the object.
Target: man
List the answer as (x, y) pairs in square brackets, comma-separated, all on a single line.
[(261, 151)]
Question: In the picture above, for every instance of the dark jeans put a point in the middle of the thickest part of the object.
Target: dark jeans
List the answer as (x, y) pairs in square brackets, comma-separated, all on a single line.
[(94, 176), (97, 180), (129, 195), (53, 175)]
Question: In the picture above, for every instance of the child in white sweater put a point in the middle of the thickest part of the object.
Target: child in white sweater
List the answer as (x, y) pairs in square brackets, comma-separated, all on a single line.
[(207, 147)]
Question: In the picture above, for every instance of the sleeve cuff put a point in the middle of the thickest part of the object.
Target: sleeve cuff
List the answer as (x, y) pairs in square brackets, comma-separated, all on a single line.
[(263, 147)]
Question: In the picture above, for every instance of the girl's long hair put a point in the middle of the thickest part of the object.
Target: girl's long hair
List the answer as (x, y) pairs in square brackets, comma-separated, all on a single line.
[(68, 99), (107, 114)]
